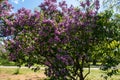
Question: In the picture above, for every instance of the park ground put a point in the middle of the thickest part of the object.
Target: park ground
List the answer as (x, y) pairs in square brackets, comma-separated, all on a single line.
[(14, 73)]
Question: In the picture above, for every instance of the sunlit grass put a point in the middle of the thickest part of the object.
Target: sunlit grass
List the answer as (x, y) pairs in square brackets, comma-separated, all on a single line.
[(100, 75)]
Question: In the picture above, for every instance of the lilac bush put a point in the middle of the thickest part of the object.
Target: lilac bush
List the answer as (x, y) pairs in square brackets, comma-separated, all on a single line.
[(57, 36)]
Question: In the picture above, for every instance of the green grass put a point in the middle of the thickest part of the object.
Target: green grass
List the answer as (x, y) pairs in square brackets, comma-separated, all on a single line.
[(15, 70), (5, 62), (94, 74), (100, 75)]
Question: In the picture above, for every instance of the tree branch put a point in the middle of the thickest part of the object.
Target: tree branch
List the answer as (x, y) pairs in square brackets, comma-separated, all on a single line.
[(88, 71)]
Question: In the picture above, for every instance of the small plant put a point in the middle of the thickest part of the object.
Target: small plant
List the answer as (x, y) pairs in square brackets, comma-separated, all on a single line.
[(17, 71), (104, 77)]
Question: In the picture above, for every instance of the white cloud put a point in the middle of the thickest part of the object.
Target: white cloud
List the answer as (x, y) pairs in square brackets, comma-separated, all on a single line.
[(22, 0), (17, 1)]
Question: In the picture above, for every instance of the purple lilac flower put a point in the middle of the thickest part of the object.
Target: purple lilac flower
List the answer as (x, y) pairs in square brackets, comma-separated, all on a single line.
[(82, 4), (57, 39), (62, 4), (12, 56), (97, 5), (48, 21), (87, 2), (53, 0)]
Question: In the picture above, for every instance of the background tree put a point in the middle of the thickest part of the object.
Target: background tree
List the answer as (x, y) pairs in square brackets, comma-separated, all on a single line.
[(109, 47)]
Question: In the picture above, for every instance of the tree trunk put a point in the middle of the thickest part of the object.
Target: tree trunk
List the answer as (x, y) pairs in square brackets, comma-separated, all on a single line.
[(81, 74), (94, 61)]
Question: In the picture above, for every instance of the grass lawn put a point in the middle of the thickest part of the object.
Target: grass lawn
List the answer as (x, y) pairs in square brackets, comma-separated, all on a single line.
[(28, 74), (99, 74)]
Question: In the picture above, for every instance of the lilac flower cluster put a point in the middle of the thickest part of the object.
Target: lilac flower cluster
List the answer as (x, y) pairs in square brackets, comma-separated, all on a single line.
[(66, 59), (5, 8), (97, 5), (48, 6)]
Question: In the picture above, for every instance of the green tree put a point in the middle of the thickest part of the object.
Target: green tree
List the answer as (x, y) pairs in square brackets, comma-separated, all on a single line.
[(112, 4), (108, 49)]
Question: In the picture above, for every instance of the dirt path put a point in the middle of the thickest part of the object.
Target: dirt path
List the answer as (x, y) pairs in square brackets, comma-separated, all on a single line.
[(7, 73)]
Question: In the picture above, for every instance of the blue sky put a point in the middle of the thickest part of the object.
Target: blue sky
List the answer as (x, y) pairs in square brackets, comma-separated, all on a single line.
[(31, 4)]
